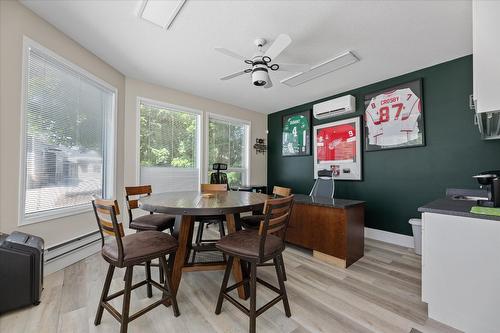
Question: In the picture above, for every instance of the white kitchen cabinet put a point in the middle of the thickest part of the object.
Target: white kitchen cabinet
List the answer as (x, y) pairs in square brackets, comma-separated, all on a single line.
[(461, 271), (486, 55)]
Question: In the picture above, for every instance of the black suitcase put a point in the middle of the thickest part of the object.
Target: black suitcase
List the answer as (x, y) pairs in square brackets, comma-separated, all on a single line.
[(21, 270)]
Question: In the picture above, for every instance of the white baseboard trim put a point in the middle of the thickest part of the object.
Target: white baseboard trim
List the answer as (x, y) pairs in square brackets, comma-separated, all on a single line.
[(63, 255), (389, 237)]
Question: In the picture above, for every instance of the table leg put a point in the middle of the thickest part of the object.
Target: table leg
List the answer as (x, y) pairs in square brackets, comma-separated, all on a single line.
[(183, 236), (238, 272)]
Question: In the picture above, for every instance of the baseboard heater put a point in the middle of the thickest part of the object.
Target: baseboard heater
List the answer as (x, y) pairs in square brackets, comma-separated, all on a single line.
[(71, 246)]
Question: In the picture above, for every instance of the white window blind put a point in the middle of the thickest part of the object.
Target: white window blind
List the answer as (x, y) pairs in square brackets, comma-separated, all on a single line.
[(169, 148), (68, 119), (228, 143)]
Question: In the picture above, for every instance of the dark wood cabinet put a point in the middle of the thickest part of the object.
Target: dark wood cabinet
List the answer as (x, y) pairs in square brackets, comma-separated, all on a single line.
[(334, 233)]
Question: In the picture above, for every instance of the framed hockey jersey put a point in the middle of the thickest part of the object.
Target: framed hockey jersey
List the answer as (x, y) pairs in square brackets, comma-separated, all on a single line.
[(296, 134), (337, 148), (394, 118)]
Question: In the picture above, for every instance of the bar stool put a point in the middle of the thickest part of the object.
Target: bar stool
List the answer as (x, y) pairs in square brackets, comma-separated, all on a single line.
[(257, 247), (156, 222), (126, 252), (205, 220), (253, 221)]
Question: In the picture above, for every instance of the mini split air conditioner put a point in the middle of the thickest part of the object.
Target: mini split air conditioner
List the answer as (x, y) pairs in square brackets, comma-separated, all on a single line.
[(335, 107)]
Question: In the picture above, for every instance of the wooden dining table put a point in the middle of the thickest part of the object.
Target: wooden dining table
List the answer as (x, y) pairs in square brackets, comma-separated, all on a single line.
[(186, 206)]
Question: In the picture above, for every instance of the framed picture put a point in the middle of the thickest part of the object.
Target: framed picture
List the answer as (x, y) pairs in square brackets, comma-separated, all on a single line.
[(337, 148), (296, 134), (394, 117)]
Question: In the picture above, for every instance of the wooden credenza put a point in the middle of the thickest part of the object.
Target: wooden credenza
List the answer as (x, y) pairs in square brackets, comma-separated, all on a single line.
[(332, 228)]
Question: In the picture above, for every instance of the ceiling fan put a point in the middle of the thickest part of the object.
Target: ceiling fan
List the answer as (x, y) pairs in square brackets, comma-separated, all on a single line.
[(261, 61)]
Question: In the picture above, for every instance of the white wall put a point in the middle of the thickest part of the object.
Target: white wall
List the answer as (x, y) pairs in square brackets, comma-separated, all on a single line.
[(135, 88), (16, 21)]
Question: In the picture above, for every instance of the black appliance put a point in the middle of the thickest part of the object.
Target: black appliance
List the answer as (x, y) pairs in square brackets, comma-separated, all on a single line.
[(490, 180), (21, 270)]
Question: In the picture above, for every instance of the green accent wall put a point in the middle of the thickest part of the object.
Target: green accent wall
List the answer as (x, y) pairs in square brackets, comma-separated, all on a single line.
[(396, 182)]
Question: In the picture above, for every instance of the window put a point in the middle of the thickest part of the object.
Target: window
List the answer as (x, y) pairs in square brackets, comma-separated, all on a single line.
[(68, 136), (169, 147), (228, 143)]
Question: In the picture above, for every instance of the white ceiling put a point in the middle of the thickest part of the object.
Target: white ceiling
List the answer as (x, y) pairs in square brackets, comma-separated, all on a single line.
[(390, 37)]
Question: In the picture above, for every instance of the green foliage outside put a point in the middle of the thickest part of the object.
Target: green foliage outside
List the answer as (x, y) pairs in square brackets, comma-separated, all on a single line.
[(226, 144), (168, 138), (75, 123)]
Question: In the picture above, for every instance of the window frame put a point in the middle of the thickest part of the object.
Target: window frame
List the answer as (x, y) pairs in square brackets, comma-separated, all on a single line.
[(175, 108), (247, 162), (109, 144)]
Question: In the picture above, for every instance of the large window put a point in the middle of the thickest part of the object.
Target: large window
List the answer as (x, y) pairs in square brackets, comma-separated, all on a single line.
[(228, 143), (169, 147), (68, 136)]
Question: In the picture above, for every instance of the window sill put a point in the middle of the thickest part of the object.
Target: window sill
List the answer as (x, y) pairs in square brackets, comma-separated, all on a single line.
[(54, 214)]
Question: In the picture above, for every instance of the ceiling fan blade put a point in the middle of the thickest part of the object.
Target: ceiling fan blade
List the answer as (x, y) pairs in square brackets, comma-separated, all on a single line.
[(281, 43), (294, 67), (269, 83), (230, 53), (230, 76)]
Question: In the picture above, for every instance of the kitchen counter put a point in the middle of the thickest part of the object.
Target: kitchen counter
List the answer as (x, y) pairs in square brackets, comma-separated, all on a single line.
[(325, 201), (449, 206)]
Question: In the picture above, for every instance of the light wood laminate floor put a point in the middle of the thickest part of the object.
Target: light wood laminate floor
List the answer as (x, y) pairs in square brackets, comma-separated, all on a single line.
[(379, 293)]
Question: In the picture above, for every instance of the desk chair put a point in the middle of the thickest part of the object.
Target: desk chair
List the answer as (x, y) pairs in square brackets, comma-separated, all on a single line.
[(126, 252), (324, 186), (218, 177), (257, 247)]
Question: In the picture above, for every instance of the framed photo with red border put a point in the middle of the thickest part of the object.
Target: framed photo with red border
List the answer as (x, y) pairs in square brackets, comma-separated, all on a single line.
[(337, 148), (394, 117)]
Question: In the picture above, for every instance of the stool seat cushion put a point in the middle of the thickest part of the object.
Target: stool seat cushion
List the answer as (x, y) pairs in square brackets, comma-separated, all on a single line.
[(245, 244), (252, 221), (140, 247), (158, 222)]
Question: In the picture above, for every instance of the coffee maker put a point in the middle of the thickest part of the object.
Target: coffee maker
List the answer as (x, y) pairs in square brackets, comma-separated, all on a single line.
[(490, 180)]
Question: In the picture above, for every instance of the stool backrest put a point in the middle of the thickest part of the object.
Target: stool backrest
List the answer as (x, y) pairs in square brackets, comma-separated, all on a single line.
[(279, 191), (106, 212), (277, 216), (132, 194), (213, 188)]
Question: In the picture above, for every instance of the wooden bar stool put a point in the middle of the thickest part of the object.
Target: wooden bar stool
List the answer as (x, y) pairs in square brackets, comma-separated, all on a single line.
[(199, 244), (257, 247), (157, 222), (253, 221), (126, 252)]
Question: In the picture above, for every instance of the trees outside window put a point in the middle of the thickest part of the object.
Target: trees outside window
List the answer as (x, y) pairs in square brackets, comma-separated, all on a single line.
[(228, 143), (68, 136), (169, 141)]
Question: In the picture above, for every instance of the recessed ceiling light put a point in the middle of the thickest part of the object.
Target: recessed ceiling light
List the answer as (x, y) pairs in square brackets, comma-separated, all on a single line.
[(160, 12), (340, 61)]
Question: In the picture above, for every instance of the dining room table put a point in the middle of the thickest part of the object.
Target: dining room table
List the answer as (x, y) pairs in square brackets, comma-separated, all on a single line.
[(186, 206)]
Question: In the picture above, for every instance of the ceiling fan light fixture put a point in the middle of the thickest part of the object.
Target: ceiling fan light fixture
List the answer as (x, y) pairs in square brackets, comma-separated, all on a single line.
[(260, 76)]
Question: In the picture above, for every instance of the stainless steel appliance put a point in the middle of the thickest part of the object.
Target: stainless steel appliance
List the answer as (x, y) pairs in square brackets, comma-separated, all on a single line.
[(490, 180)]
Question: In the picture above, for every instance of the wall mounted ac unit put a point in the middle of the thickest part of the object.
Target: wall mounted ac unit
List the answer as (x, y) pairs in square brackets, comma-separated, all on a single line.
[(335, 107)]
